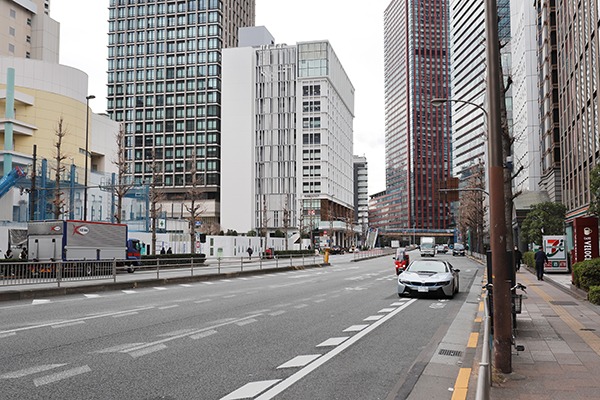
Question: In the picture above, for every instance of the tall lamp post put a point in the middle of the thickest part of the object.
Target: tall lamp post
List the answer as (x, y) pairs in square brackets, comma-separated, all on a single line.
[(87, 154)]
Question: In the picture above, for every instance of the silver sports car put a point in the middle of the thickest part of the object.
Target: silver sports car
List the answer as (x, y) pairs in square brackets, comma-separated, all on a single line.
[(428, 276)]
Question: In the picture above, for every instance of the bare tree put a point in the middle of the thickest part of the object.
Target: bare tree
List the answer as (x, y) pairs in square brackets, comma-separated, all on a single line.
[(124, 183), (265, 221), (286, 220), (59, 202), (194, 194), (472, 209), (156, 196)]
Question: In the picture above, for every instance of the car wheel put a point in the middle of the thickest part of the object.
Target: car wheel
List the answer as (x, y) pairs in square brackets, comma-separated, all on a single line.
[(453, 292)]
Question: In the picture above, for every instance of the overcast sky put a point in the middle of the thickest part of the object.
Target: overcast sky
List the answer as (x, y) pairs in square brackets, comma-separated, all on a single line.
[(355, 33)]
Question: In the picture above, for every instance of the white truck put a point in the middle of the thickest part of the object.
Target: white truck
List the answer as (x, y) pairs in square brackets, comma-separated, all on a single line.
[(81, 241), (427, 247)]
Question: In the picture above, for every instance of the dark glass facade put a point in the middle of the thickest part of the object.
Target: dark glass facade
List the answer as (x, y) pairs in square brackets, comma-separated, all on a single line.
[(417, 134)]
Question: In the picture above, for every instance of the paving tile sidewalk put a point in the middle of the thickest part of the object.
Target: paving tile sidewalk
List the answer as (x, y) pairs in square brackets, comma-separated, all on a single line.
[(560, 332)]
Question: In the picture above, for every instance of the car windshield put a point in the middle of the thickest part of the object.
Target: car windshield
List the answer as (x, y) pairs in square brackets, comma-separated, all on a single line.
[(427, 245), (458, 246), (427, 266)]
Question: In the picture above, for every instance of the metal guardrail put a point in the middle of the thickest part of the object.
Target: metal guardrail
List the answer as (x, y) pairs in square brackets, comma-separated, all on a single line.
[(484, 380), (31, 273), (373, 253)]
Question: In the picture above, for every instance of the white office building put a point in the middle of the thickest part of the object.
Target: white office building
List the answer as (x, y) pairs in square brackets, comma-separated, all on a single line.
[(287, 159), (526, 144)]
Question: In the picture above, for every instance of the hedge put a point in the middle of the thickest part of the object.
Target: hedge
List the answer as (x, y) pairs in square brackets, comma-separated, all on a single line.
[(587, 274), (594, 295), (529, 259)]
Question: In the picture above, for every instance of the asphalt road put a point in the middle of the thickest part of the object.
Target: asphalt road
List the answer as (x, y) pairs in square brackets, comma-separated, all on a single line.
[(338, 332)]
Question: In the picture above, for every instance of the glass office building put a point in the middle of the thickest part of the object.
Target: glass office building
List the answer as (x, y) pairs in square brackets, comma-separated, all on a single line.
[(417, 134), (164, 85)]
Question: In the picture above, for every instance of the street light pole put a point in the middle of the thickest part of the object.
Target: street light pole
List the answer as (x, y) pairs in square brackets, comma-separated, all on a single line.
[(502, 312), (85, 176)]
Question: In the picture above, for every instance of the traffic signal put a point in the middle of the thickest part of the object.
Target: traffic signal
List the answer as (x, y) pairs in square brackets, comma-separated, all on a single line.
[(203, 238)]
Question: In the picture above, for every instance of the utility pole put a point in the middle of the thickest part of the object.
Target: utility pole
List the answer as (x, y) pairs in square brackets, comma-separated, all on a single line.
[(502, 312)]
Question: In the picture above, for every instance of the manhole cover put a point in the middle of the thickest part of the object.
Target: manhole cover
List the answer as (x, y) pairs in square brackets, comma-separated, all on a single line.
[(563, 303), (451, 353)]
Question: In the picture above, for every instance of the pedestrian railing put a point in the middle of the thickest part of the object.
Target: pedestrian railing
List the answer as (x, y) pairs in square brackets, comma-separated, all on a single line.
[(484, 380), (30, 273), (359, 255)]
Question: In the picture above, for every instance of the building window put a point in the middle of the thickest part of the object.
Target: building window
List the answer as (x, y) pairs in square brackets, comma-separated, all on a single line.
[(13, 13), (11, 48)]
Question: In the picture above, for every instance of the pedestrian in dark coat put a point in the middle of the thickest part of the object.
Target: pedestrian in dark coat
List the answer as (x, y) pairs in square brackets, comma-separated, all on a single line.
[(169, 251), (249, 253), (518, 258), (540, 259)]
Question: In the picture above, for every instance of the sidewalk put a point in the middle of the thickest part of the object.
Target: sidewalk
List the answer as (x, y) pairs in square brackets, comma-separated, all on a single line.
[(560, 331)]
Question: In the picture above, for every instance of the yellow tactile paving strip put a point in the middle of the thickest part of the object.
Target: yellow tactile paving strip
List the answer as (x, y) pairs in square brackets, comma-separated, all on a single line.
[(590, 338), (462, 384)]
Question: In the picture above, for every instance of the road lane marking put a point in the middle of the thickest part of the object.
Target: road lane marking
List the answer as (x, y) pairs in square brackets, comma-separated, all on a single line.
[(208, 283), (280, 387), (299, 361), (119, 348), (92, 296), (276, 313), (473, 339), (373, 318), (186, 285), (333, 341), (250, 390), (175, 333), (41, 301), (67, 324), (190, 334), (249, 321), (461, 385), (229, 296), (299, 306), (129, 314), (320, 300), (30, 371), (160, 288), (202, 301), (386, 310), (355, 328), (129, 291), (144, 351), (44, 380), (112, 314), (202, 335), (7, 335), (167, 307)]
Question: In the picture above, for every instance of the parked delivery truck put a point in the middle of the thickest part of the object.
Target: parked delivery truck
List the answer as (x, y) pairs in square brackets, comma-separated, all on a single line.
[(427, 246), (81, 241)]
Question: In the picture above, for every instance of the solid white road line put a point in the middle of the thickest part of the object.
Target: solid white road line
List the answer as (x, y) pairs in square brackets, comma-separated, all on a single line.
[(44, 380), (276, 313), (30, 371), (333, 341), (280, 387), (125, 315), (246, 322), (299, 361), (250, 390)]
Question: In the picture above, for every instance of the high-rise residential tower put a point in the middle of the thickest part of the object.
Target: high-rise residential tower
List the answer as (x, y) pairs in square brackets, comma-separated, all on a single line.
[(417, 134), (164, 84)]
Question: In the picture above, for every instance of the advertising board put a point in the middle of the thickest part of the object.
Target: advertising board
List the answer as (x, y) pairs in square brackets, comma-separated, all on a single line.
[(555, 249)]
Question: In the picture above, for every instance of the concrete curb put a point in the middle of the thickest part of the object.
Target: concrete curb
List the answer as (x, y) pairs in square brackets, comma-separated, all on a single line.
[(25, 294)]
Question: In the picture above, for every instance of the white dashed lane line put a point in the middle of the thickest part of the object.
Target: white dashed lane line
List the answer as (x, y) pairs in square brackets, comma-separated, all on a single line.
[(44, 380), (333, 341), (299, 361)]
